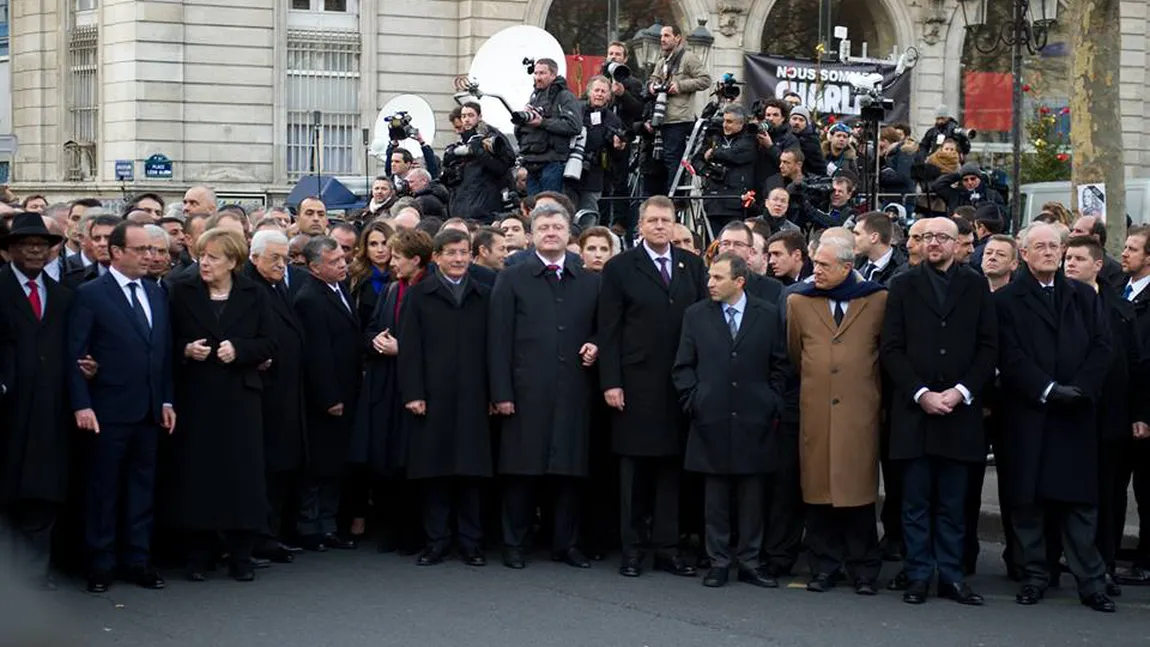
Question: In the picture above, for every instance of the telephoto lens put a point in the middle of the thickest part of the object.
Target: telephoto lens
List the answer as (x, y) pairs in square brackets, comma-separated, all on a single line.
[(574, 168), (660, 113)]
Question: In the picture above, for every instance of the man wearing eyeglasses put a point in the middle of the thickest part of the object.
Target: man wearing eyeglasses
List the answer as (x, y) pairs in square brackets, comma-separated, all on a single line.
[(939, 347), (737, 238)]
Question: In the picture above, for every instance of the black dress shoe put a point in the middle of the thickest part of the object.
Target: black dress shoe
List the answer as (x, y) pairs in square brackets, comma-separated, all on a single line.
[(259, 562), (675, 566), (572, 557), (758, 577), (313, 543), (291, 548), (513, 558), (1113, 589), (145, 578), (277, 554), (1099, 602), (1028, 595), (332, 540), (433, 554), (916, 592), (1136, 576), (99, 582), (473, 557), (821, 583), (865, 587), (716, 577), (632, 566), (900, 582), (960, 593)]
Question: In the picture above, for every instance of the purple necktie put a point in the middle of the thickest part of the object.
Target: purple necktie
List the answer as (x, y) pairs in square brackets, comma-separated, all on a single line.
[(664, 270)]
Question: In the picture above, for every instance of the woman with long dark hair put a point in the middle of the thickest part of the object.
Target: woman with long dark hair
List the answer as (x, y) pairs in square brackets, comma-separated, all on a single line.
[(370, 270)]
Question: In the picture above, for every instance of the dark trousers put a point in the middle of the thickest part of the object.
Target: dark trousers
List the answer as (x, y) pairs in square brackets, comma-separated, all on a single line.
[(783, 537), (649, 489), (1078, 524), (549, 177), (396, 502), (933, 518), (441, 497), (281, 487), (1135, 464), (972, 513), (748, 494), (30, 525), (843, 537), (519, 504), (1111, 498), (891, 514), (600, 497), (121, 472), (318, 506), (203, 546), (675, 138)]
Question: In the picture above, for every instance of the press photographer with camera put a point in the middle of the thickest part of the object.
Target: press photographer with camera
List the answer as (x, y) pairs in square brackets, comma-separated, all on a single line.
[(727, 163), (477, 167), (591, 166), (625, 88), (545, 128), (673, 85), (773, 138), (399, 128), (966, 187), (838, 211), (945, 127)]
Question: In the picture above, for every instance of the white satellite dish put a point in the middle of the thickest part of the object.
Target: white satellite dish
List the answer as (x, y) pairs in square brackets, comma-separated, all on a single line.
[(498, 70), (422, 117)]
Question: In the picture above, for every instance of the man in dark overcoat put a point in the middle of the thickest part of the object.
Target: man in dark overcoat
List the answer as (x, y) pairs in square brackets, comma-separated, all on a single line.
[(1054, 353), (285, 443), (540, 347), (731, 371), (646, 290), (332, 365), (939, 347), (34, 429), (443, 385)]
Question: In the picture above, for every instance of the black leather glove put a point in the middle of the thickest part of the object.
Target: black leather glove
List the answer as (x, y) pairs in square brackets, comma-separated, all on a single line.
[(1065, 394)]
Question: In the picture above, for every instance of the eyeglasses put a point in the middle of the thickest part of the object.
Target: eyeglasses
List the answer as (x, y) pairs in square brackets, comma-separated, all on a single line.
[(941, 238), (142, 250)]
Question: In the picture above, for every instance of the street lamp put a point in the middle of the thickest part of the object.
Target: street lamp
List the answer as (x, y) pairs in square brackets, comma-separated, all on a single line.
[(646, 46), (1025, 29), (699, 41)]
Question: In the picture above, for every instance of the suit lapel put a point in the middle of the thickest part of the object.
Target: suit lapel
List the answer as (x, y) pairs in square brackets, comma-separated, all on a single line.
[(15, 293), (335, 299), (116, 295), (647, 266), (925, 289), (958, 285), (822, 310), (854, 311), (1034, 299), (750, 318)]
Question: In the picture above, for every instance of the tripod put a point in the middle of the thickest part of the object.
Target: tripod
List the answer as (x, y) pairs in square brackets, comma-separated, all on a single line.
[(694, 214)]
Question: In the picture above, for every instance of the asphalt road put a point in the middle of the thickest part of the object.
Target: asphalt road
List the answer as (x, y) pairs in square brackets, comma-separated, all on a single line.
[(356, 598)]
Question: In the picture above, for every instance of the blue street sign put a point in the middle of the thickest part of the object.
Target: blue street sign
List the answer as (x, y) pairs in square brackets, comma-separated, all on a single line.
[(158, 166), (125, 170)]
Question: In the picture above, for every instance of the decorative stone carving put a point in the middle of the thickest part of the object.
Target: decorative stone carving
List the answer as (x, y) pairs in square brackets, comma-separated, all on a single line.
[(732, 17)]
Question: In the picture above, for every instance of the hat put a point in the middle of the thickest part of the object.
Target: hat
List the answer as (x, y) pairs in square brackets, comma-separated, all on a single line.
[(941, 112), (895, 209), (970, 168), (802, 112), (840, 127), (27, 225)]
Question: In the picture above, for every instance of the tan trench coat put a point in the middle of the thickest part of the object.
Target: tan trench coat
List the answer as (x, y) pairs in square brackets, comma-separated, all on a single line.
[(839, 401)]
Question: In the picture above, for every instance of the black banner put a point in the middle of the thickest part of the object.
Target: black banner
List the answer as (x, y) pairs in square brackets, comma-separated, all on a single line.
[(770, 76)]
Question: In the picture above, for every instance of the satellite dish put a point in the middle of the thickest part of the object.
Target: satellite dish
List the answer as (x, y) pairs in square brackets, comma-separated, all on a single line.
[(422, 117), (498, 70)]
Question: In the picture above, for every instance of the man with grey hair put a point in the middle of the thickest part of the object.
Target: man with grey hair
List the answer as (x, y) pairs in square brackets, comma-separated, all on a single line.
[(331, 367), (160, 263), (429, 196), (727, 161), (833, 327), (284, 408)]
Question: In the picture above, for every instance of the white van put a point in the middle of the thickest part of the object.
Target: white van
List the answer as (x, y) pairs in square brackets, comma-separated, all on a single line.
[(1037, 194)]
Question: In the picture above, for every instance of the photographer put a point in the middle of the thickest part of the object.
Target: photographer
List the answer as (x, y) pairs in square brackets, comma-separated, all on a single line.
[(838, 212), (728, 164), (897, 157), (973, 190), (430, 197), (605, 148), (627, 91), (945, 127), (774, 137), (674, 83), (403, 161), (545, 138), (476, 168)]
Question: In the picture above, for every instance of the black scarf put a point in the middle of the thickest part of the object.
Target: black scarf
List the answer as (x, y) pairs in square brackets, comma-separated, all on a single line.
[(852, 288)]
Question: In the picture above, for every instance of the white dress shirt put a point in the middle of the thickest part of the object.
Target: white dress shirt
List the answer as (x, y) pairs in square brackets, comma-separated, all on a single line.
[(740, 307), (40, 287), (655, 256), (1136, 287), (141, 292), (559, 263)]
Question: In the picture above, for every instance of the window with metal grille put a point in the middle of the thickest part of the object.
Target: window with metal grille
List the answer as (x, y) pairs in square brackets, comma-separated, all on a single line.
[(83, 99), (323, 78)]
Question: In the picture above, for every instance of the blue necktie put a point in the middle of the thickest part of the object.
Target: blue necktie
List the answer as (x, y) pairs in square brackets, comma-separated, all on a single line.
[(138, 307), (1127, 292)]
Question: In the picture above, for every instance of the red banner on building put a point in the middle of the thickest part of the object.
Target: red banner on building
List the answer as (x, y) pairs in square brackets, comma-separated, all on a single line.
[(580, 69), (986, 105)]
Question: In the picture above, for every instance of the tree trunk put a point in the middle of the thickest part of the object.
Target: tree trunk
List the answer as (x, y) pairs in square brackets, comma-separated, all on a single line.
[(1095, 117)]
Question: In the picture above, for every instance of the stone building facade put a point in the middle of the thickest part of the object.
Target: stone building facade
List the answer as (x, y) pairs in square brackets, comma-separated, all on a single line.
[(226, 89)]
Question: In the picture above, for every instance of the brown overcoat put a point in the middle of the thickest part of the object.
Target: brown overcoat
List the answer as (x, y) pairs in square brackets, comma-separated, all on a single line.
[(839, 399)]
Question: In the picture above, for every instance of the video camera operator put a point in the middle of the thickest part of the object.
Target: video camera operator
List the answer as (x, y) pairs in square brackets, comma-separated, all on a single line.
[(837, 211), (945, 127), (545, 128), (603, 152), (774, 137), (673, 85), (403, 161), (477, 168), (727, 163)]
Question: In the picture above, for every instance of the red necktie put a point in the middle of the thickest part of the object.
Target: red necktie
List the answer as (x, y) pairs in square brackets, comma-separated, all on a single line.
[(34, 300)]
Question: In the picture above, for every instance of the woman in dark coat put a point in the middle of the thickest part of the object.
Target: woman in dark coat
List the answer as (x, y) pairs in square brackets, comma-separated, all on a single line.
[(379, 439), (220, 322)]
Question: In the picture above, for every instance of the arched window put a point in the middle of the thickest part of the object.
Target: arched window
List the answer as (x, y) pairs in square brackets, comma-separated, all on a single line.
[(590, 24), (792, 27)]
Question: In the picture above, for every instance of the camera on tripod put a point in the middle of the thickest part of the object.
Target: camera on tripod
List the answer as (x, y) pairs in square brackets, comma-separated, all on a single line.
[(399, 126), (727, 88)]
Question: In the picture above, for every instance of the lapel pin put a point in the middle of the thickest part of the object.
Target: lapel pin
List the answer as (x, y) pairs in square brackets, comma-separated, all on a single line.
[(681, 265)]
